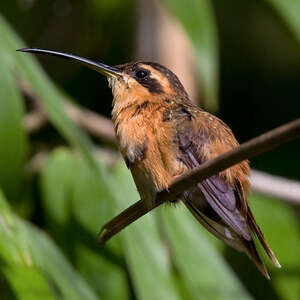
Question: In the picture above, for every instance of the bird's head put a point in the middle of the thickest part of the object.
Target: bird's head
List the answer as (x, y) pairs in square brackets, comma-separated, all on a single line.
[(132, 81)]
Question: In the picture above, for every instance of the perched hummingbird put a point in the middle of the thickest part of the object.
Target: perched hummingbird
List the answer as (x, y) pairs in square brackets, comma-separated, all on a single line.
[(162, 135)]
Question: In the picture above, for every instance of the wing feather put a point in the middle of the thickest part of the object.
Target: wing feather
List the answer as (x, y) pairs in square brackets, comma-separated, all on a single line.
[(217, 200), (219, 203), (217, 192)]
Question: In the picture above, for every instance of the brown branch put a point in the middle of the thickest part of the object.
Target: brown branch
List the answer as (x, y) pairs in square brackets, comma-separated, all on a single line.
[(275, 186), (95, 124), (34, 120), (37, 117), (102, 127), (256, 146)]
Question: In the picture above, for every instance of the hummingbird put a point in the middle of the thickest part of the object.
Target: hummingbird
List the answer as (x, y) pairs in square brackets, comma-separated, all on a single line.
[(162, 134)]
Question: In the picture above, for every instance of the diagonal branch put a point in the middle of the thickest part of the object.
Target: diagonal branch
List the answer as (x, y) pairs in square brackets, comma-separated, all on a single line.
[(101, 127), (275, 186), (256, 146), (97, 125)]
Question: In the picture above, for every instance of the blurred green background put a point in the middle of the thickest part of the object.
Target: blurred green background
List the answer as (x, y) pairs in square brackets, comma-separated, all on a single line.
[(59, 183)]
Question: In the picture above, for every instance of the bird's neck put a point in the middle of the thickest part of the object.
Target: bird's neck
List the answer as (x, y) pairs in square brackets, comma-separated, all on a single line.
[(128, 108)]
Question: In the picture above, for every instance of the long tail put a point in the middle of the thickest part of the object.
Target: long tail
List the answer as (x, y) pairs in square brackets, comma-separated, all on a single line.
[(256, 230), (221, 230)]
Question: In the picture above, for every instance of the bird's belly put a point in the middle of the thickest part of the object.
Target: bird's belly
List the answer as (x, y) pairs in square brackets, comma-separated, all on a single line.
[(149, 148), (157, 170)]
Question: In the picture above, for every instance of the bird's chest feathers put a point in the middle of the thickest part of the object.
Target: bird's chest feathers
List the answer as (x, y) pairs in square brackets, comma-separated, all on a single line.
[(136, 128), (146, 141), (133, 140)]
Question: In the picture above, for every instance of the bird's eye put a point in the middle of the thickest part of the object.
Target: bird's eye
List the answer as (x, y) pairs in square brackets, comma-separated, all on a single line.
[(141, 74)]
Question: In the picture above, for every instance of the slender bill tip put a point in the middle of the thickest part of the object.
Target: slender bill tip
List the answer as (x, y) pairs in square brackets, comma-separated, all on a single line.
[(24, 50), (95, 65)]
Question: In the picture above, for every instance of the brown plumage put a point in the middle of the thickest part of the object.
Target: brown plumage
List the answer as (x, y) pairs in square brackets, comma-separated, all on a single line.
[(162, 135)]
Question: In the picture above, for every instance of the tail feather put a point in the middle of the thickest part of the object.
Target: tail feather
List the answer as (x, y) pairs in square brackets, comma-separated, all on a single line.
[(252, 253), (231, 238), (256, 230), (220, 231)]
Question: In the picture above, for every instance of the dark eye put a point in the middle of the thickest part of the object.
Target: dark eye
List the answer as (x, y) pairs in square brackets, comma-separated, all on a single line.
[(141, 74)]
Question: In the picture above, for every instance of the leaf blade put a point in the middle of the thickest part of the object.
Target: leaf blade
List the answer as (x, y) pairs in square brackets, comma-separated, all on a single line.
[(146, 255), (203, 269), (25, 246)]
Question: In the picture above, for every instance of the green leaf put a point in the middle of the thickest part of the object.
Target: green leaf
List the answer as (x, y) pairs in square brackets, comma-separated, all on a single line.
[(89, 202), (204, 270), (46, 256), (57, 178), (197, 17), (13, 139), (108, 279), (51, 98), (75, 210), (28, 283), (78, 194), (289, 12), (29, 70), (146, 255), (27, 252), (281, 230)]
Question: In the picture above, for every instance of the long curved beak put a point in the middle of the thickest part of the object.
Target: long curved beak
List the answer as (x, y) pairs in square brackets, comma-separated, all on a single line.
[(97, 66)]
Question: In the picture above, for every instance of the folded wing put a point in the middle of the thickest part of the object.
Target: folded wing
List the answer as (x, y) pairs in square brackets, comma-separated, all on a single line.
[(219, 202)]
